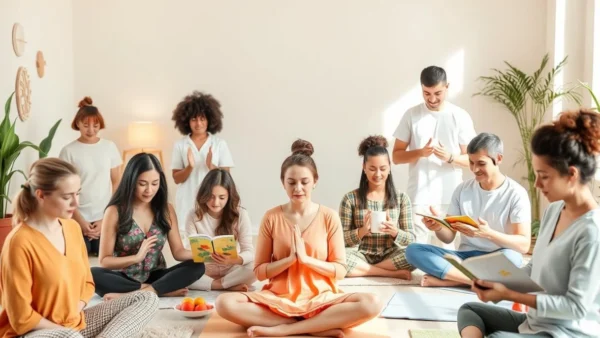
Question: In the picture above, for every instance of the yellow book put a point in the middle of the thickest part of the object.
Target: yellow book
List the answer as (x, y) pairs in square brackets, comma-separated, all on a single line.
[(204, 245), (449, 220)]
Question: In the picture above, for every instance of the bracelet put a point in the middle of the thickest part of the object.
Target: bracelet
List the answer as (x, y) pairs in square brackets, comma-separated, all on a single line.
[(451, 159)]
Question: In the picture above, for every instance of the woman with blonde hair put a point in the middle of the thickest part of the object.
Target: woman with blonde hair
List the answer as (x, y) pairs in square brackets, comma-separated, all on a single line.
[(45, 280)]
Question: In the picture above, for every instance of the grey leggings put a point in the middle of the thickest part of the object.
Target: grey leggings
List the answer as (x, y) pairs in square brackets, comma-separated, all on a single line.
[(493, 321)]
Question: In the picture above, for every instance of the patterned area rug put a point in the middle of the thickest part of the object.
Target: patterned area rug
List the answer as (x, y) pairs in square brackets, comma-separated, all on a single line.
[(167, 332)]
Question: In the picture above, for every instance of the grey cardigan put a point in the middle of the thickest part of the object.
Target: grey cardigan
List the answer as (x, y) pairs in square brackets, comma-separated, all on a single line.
[(568, 268)]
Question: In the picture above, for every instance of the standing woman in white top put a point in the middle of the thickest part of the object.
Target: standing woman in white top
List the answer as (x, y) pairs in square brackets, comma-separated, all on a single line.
[(198, 116), (218, 212), (97, 160), (432, 138)]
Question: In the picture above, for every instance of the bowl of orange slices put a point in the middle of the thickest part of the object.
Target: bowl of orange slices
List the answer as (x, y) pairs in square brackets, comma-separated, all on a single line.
[(194, 307)]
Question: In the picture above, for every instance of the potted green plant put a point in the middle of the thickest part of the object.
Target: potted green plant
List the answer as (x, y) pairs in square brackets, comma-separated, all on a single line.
[(527, 98), (10, 149)]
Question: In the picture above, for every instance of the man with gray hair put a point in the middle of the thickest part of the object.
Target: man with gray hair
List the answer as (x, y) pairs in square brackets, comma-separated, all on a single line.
[(497, 203)]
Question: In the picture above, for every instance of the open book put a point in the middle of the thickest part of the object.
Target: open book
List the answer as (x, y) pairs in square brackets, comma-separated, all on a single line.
[(449, 220), (495, 267), (204, 245)]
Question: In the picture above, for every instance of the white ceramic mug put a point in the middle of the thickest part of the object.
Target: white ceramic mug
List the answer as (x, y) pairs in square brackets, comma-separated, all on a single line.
[(377, 217)]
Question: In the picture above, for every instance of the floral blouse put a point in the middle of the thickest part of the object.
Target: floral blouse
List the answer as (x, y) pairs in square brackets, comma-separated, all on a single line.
[(129, 244)]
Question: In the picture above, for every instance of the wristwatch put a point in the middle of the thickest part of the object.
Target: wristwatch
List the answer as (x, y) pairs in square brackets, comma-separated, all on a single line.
[(451, 159)]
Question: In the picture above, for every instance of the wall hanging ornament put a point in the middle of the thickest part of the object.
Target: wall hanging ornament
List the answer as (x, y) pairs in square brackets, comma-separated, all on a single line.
[(18, 39), (23, 93), (40, 64)]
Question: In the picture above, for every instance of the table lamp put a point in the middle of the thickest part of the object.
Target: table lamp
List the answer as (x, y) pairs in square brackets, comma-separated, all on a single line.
[(143, 138)]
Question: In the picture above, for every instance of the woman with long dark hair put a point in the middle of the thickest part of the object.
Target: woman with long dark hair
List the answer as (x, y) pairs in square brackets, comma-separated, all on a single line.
[(217, 213), (137, 223), (380, 253)]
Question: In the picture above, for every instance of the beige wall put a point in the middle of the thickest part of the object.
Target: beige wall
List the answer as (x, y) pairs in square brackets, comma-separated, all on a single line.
[(48, 26), (331, 72)]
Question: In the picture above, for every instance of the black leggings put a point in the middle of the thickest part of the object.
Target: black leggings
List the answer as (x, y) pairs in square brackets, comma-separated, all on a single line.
[(163, 281)]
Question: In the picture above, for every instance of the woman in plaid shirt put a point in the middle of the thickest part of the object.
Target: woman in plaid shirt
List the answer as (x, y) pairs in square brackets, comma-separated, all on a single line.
[(376, 254)]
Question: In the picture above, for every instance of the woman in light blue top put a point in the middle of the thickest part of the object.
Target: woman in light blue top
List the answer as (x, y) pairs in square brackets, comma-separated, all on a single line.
[(565, 260)]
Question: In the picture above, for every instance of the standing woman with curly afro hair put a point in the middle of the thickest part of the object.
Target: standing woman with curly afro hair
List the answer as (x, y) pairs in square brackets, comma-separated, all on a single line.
[(372, 252), (565, 259), (98, 162), (198, 117)]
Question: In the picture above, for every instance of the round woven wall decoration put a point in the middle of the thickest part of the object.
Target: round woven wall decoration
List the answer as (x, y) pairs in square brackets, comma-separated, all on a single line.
[(23, 93)]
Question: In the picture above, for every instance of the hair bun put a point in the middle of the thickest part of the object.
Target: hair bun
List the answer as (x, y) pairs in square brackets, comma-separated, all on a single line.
[(86, 101), (372, 141), (302, 147), (583, 126)]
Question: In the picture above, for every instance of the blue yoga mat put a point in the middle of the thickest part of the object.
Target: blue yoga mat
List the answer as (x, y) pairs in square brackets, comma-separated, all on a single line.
[(441, 307)]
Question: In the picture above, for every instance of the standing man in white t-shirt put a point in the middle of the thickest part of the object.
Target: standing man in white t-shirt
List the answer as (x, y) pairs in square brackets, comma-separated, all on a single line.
[(432, 138)]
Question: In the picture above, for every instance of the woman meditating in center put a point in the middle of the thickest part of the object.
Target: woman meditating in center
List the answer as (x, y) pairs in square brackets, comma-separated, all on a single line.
[(300, 250), (376, 252)]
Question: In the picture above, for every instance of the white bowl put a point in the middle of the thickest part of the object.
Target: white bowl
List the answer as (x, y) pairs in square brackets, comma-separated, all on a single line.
[(193, 314)]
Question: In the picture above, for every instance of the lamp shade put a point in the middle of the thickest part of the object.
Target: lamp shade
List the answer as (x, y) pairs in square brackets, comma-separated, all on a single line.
[(143, 135)]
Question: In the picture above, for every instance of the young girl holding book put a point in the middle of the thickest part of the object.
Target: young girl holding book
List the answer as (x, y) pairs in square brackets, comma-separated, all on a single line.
[(565, 259), (218, 212)]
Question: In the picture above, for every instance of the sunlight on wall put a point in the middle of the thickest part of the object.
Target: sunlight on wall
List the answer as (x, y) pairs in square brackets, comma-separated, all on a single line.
[(455, 70), (144, 108), (596, 51), (393, 114), (559, 51)]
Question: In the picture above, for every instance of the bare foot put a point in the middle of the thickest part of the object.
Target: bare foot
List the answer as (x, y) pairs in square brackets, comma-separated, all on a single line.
[(429, 280), (335, 333), (111, 296), (263, 331), (403, 274), (239, 287), (176, 293)]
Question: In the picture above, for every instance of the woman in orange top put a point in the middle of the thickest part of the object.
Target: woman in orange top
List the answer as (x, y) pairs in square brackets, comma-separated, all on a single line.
[(45, 280), (302, 266)]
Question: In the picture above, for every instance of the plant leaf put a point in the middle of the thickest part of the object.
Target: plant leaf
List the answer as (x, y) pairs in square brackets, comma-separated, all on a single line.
[(47, 142)]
